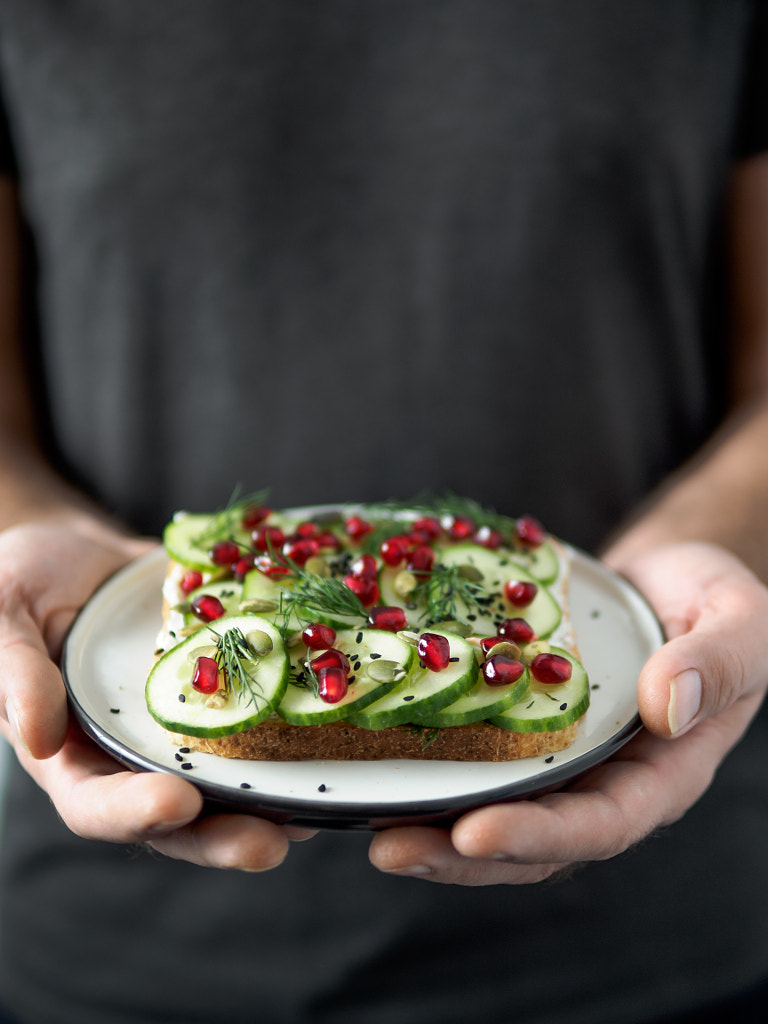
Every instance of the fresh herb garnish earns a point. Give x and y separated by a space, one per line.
444 589
308 593
237 661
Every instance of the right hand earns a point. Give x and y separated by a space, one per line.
47 573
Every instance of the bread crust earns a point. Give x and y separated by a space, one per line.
276 740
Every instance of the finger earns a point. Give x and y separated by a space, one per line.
229 841
32 696
700 673
428 853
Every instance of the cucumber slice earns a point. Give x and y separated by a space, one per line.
189 537
479 703
171 679
364 648
423 691
260 588
549 708
495 568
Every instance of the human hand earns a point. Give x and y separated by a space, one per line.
47 572
696 695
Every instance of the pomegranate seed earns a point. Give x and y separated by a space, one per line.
365 567
207 607
551 668
318 636
357 528
307 530
205 678
529 531
489 642
333 658
489 538
428 526
332 684
271 567
393 550
501 670
190 581
421 559
300 551
389 618
460 528
267 537
516 630
225 553
242 567
254 516
519 592
434 650
367 591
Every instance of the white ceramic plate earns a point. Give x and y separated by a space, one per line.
110 648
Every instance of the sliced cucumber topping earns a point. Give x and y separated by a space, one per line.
479 703
548 708
259 589
378 660
251 683
189 537
423 691
229 592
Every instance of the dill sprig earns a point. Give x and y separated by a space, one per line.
443 589
446 503
317 594
237 662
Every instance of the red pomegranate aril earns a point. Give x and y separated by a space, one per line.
266 537
460 528
501 670
208 608
357 528
242 567
551 668
190 581
386 617
301 550
205 678
365 567
272 568
488 537
516 630
530 532
428 526
520 593
332 684
489 642
366 591
317 636
434 651
421 559
254 516
307 530
225 553
393 550
330 659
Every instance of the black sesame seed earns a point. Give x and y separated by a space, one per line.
351 679
114 711
245 785
179 757
321 788
563 707
357 666
182 698
410 696
186 766
184 750
453 659
550 759
359 638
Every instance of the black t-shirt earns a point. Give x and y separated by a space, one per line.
351 250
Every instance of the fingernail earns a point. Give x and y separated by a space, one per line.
411 869
13 721
684 699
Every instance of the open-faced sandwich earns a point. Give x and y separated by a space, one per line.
368 633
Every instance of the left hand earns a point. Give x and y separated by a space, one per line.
697 696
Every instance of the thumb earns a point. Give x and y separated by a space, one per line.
699 675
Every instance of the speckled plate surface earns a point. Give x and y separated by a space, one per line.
109 651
